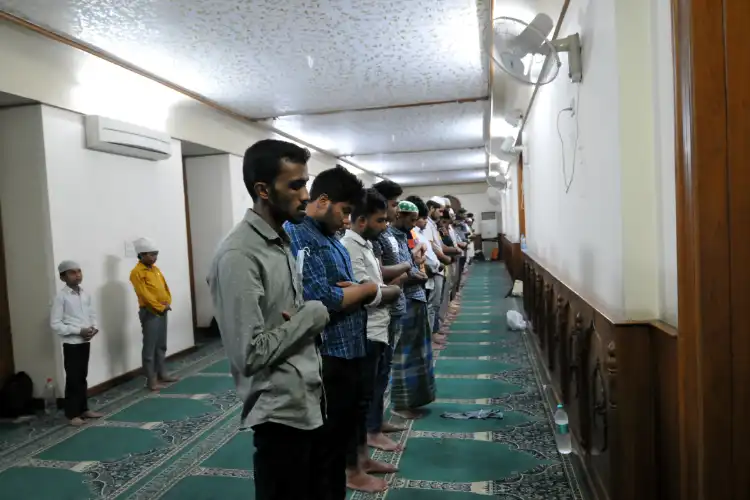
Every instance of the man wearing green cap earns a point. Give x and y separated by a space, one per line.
413 378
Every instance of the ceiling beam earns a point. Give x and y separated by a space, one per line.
409 151
465 100
437 173
473 148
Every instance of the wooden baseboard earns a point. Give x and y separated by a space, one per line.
618 380
125 377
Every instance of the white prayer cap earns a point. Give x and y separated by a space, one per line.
145 245
439 200
450 211
67 265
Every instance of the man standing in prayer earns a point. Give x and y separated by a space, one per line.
327 276
413 376
368 222
73 318
394 271
155 302
270 333
445 254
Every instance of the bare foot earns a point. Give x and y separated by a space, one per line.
361 481
156 386
77 422
438 347
389 427
409 414
377 467
382 442
92 414
439 338
168 379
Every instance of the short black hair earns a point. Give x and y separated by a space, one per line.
432 204
423 212
445 214
263 159
339 185
388 189
470 215
371 203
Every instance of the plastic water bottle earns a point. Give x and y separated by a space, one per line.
562 433
50 401
523 242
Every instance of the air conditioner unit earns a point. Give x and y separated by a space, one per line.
120 138
488 226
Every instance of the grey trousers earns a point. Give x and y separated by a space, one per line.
154 328
434 301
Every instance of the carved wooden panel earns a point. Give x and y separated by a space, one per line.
559 340
550 321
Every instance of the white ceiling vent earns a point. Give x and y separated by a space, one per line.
120 138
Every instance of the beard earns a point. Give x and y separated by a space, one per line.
277 204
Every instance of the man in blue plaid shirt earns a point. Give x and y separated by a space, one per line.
327 276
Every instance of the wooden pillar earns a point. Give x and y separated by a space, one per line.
712 80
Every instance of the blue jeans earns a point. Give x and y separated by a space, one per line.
382 376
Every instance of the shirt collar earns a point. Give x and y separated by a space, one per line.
70 291
354 236
263 228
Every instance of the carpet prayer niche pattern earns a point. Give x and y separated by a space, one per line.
184 443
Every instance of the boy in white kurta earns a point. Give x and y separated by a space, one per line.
73 318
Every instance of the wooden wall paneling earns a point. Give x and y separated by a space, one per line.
550 325
666 414
703 246
737 47
561 341
633 454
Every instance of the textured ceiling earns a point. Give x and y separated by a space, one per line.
268 57
444 126
429 161
312 67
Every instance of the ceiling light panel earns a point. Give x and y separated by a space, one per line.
267 58
442 126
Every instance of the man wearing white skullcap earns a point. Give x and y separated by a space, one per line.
154 301
73 318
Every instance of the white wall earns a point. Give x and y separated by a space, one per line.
31 275
664 137
611 236
217 200
578 234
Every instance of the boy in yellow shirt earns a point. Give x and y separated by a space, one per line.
154 301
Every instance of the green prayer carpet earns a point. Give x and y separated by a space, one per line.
184 442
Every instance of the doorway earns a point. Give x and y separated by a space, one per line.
7 367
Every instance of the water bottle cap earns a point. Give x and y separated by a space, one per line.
49 380
559 406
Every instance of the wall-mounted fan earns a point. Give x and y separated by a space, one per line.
523 51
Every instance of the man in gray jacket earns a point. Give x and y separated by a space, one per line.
269 332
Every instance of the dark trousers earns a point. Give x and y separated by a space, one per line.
383 356
76 360
461 266
287 463
369 367
342 379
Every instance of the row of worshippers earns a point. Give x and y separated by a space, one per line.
73 318
315 326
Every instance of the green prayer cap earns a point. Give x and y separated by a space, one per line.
407 206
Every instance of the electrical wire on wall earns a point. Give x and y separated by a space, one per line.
573 114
